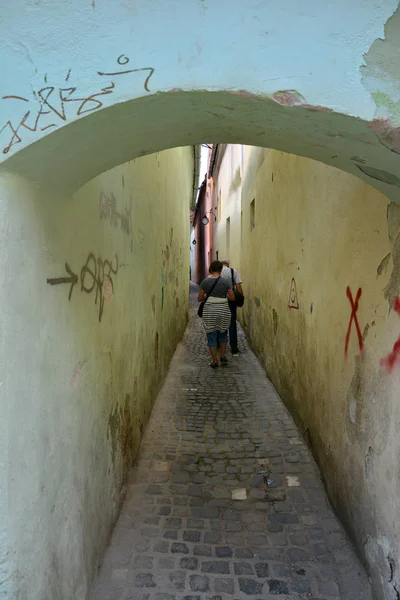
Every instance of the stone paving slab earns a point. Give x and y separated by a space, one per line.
225 501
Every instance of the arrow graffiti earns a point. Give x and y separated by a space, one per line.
96 276
72 279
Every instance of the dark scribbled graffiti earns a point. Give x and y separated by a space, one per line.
94 273
108 210
53 106
72 279
124 60
95 277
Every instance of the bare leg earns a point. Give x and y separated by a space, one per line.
223 349
213 352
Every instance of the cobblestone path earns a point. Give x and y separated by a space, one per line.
225 500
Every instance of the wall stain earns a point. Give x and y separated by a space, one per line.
383 265
393 219
392 290
236 181
369 457
293 301
114 421
156 351
126 432
356 391
257 301
75 374
120 430
275 320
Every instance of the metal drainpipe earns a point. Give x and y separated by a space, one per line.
212 160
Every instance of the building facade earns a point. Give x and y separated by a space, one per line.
318 251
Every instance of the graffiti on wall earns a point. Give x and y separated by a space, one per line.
353 317
393 357
72 279
108 210
52 106
95 277
293 299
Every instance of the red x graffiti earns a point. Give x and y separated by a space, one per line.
354 309
391 359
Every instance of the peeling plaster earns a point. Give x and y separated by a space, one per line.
387 134
392 290
380 175
381 72
393 220
383 265
289 98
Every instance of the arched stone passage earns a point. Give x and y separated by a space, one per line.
138 76
74 154
87 86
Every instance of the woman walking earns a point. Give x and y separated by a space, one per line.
215 291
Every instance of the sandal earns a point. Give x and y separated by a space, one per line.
213 365
224 361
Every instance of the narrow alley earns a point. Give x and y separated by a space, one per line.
225 500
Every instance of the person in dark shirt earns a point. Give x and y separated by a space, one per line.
216 313
236 281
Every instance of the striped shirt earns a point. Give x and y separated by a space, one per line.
216 315
216 312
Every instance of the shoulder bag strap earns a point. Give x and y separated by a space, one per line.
233 283
211 291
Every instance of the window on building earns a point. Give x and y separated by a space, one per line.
252 214
228 236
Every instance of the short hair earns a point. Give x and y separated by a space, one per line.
216 266
225 262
